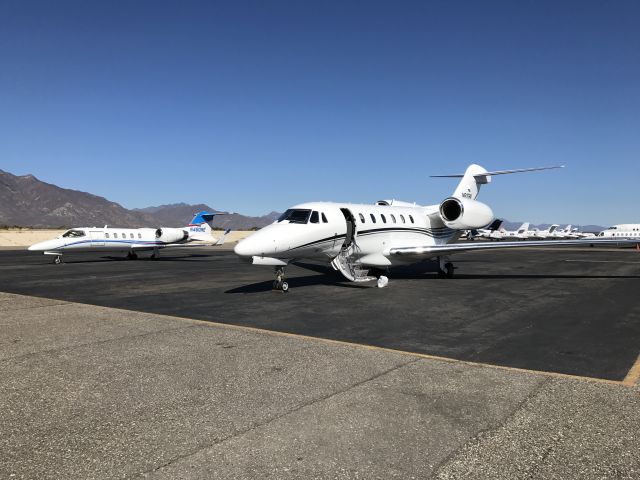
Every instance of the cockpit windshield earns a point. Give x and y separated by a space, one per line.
73 233
294 215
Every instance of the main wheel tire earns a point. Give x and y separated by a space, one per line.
449 270
285 287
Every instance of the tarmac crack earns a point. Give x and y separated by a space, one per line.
478 437
100 342
275 418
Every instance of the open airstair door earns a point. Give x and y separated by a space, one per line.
350 237
345 262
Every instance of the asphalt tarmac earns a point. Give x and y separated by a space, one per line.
569 311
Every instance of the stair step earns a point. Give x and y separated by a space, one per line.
351 270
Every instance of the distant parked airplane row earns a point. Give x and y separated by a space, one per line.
496 232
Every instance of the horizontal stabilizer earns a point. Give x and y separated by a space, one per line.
499 172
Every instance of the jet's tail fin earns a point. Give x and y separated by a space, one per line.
524 228
475 176
200 226
495 225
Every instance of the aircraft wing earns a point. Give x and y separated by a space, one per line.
190 244
435 250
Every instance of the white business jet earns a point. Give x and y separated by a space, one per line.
357 238
624 230
130 240
493 231
521 233
546 234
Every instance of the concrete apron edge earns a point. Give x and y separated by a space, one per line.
629 381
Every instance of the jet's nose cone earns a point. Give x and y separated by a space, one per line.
44 246
36 247
245 248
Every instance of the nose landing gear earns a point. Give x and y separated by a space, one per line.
58 259
279 285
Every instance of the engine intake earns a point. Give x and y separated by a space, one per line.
465 214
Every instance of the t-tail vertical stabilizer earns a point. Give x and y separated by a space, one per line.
201 225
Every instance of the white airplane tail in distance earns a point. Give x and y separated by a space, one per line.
358 239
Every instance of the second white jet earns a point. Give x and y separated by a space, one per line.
130 241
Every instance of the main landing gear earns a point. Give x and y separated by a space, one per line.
279 285
445 268
156 254
132 255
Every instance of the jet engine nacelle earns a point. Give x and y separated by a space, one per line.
465 214
171 235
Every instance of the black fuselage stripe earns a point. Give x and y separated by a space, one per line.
374 232
327 239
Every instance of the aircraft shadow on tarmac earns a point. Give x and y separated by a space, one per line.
421 271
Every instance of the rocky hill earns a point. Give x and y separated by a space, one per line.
179 213
28 202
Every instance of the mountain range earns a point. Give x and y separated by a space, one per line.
26 201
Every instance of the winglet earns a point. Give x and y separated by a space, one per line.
223 238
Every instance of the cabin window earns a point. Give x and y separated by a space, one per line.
315 218
411 218
384 219
73 233
106 235
131 235
402 218
324 219
373 219
393 218
139 235
295 215
361 218
124 235
115 235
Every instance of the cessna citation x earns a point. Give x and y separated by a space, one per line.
131 241
358 238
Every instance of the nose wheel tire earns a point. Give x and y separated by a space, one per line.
57 260
279 285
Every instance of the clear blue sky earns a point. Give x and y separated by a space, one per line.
254 106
